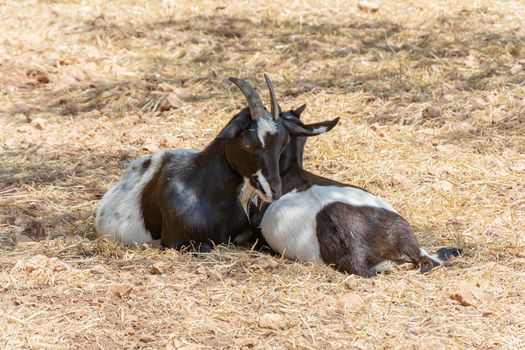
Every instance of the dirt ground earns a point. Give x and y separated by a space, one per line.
432 103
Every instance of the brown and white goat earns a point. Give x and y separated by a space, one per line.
323 221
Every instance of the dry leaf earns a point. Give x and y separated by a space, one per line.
447 147
472 61
351 302
163 87
518 166
119 290
150 147
171 101
398 179
38 123
272 321
157 268
11 142
99 21
368 6
443 185
264 262
466 293
431 112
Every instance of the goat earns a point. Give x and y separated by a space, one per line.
323 221
186 197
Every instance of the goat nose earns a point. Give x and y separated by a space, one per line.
276 188
276 194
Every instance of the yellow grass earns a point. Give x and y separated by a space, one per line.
458 177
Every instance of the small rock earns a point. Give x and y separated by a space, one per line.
147 338
515 69
368 6
272 321
157 268
38 75
466 294
119 290
24 239
351 302
171 101
462 85
431 112
22 108
40 262
38 123
478 103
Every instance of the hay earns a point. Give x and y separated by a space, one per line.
433 120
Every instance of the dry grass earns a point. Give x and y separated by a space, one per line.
457 177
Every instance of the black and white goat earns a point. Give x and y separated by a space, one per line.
189 197
323 221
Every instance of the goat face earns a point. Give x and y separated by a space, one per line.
255 155
255 139
293 154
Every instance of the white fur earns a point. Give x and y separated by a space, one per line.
246 195
265 185
265 125
289 224
122 219
384 266
320 129
433 257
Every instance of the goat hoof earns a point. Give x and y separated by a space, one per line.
204 248
448 253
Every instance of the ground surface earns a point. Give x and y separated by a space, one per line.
432 102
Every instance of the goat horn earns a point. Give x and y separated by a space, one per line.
273 100
254 100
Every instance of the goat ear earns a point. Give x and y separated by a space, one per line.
299 110
237 125
310 129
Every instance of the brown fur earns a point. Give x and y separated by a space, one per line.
354 239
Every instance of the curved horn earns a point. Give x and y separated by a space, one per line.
273 100
254 100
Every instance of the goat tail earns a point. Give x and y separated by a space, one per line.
429 261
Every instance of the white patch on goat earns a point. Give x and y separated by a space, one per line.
384 266
289 225
122 217
265 125
432 257
246 195
320 129
265 186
